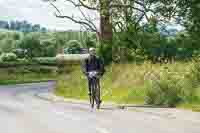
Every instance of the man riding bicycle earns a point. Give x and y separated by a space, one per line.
93 64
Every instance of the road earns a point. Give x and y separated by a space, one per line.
22 111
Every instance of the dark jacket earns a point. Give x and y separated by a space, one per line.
93 64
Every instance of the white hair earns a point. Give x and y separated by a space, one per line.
91 49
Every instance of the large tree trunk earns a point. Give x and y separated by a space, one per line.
106 33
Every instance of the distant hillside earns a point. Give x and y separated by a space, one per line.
6 30
22 26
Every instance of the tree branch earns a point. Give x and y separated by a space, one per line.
81 22
89 21
81 4
77 21
125 6
140 18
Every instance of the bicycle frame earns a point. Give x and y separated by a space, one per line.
95 92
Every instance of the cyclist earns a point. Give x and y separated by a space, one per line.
93 63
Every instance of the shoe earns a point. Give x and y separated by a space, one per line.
98 105
100 101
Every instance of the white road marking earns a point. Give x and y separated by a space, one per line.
102 130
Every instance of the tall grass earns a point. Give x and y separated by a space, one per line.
173 88
129 83
167 91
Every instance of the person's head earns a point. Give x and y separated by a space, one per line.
92 51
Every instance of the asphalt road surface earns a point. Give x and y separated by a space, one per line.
22 111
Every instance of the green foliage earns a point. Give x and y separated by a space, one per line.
105 51
7 45
166 91
40 69
45 44
8 57
49 48
16 75
18 62
132 43
91 41
193 18
125 83
45 61
193 82
73 47
195 71
31 44
171 89
151 27
21 53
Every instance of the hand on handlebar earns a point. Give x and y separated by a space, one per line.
93 74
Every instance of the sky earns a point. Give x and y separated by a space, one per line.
38 12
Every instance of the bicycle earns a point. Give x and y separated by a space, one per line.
95 89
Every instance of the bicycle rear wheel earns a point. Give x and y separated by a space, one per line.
97 93
92 96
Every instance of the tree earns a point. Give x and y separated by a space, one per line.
107 11
193 20
7 45
112 16
48 48
4 25
73 47
184 12
90 41
13 25
31 44
43 29
23 26
36 28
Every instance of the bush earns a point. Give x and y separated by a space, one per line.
167 91
192 82
73 47
90 41
48 48
31 44
18 62
8 57
20 53
7 45
195 70
40 69
174 88
45 61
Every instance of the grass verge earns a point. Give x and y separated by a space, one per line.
123 83
17 76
